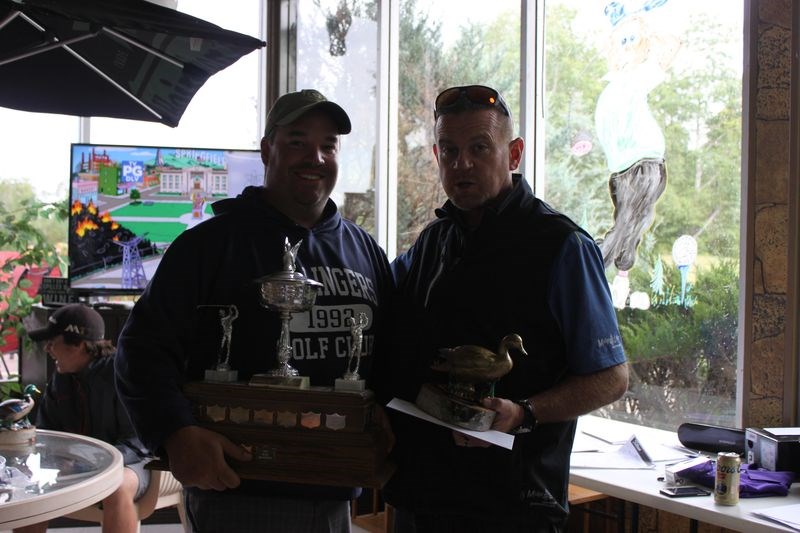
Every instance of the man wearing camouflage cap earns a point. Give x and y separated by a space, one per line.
169 340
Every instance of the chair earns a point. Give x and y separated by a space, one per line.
578 497
375 521
383 521
164 491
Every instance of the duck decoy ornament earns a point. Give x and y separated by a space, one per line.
472 374
475 364
14 411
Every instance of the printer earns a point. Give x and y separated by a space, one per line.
775 449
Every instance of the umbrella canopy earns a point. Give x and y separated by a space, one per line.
111 58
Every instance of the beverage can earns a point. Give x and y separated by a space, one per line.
726 482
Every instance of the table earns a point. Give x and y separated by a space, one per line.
641 486
58 474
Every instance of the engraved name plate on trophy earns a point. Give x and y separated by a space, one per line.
287 292
223 371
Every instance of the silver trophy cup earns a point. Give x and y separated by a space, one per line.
286 292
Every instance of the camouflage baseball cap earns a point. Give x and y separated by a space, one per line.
291 106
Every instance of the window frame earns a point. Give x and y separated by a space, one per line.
281 79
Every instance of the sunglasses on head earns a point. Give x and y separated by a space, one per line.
458 98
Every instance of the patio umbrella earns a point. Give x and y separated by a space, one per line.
111 58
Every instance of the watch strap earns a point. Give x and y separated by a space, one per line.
529 420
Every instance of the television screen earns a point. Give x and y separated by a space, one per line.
128 203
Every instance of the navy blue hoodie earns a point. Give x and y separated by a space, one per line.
173 333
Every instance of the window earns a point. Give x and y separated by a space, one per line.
225 111
440 47
677 297
681 65
337 54
624 88
40 143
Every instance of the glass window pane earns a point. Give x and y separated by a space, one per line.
627 86
223 113
36 150
337 54
444 44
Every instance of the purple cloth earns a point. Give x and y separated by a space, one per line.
753 482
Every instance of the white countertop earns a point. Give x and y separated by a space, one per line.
642 485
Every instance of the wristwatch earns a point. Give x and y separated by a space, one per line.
529 420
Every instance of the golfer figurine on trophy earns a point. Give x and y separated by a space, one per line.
223 370
351 380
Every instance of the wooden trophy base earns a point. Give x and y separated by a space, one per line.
316 436
225 376
280 382
349 385
438 403
18 437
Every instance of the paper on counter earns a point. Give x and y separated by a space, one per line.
491 436
781 432
787 515
610 435
628 455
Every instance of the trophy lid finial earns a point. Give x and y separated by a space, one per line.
288 289
290 255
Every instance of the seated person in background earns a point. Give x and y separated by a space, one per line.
80 398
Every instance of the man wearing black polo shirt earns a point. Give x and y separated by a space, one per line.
497 261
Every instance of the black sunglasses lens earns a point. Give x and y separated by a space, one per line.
448 97
481 95
475 94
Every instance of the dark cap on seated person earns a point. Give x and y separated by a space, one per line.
291 106
77 320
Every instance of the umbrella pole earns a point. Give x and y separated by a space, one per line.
11 16
41 48
112 82
65 45
46 48
144 47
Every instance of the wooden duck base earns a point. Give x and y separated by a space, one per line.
438 403
17 437
315 436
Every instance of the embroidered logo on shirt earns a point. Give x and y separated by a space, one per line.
612 341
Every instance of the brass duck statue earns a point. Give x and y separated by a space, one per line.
15 410
475 364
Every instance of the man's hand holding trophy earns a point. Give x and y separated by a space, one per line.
296 431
